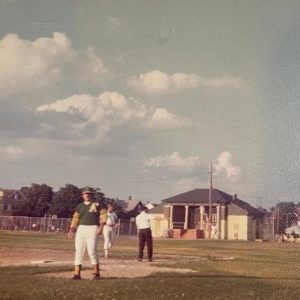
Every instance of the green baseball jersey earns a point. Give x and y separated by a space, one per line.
89 214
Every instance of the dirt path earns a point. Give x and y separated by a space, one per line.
110 268
24 256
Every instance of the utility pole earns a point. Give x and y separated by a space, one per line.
210 204
273 225
278 217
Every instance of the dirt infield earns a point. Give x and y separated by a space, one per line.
24 256
110 267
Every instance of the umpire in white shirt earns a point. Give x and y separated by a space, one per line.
144 234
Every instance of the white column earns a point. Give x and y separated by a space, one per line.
201 216
186 216
171 217
223 222
218 221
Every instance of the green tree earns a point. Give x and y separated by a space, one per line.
37 201
285 215
65 201
100 197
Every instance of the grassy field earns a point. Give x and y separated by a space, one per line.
259 271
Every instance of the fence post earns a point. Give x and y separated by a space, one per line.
48 223
119 225
43 223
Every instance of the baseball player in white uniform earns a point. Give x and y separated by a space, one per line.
110 229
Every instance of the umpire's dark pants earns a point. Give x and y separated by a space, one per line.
145 236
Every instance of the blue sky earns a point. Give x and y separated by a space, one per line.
139 97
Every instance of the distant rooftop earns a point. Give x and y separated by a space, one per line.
158 209
128 205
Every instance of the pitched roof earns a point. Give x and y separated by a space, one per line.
158 209
199 196
13 197
246 206
128 205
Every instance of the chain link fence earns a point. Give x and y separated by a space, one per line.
46 224
62 225
55 225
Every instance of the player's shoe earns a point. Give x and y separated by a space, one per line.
96 276
76 277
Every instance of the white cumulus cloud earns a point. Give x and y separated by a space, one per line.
28 66
12 152
224 164
162 118
106 111
25 64
91 67
175 162
110 110
157 82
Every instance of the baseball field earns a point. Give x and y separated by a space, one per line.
39 266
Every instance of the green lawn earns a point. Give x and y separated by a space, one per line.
259 271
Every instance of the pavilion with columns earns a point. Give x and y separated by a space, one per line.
232 218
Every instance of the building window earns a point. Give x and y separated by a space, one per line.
213 218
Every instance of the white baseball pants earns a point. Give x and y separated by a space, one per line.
109 235
86 238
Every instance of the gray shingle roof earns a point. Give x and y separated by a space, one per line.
198 196
128 205
246 206
158 209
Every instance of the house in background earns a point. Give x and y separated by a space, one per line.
9 199
129 209
1 201
298 212
159 224
232 218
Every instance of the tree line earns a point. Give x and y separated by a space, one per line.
285 214
39 200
